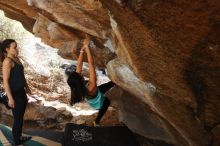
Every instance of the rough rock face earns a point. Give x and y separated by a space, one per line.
167 58
62 24
38 116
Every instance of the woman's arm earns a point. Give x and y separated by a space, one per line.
92 74
6 69
80 61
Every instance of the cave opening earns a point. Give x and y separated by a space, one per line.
45 74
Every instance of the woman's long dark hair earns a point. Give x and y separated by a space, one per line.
77 86
3 45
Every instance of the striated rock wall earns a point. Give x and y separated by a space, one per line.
164 55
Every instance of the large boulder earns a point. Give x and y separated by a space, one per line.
164 56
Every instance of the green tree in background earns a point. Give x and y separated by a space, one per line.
11 29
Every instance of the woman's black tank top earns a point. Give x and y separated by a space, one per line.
17 80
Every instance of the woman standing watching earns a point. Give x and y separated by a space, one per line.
15 86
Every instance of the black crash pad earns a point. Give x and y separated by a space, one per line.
81 135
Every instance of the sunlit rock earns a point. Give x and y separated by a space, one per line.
164 55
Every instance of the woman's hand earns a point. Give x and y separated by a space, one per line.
11 103
86 43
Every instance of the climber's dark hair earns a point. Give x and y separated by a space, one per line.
70 69
77 86
3 45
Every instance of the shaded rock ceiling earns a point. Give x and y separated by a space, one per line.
164 55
